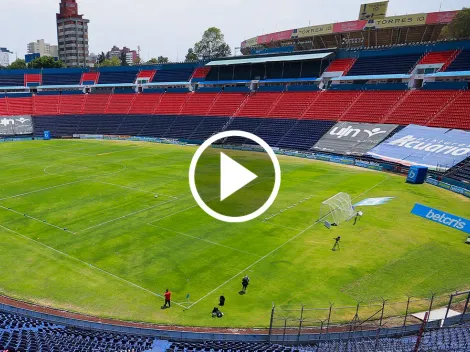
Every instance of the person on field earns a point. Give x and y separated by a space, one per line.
336 246
245 282
167 298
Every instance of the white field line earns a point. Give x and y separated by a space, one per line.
22 180
136 189
275 250
127 215
196 205
36 219
88 264
203 240
43 189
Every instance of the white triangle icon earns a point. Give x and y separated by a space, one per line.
233 176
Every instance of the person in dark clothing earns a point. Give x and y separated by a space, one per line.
336 246
221 301
245 282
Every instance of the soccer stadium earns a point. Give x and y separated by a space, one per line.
105 245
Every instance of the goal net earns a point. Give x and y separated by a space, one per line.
337 209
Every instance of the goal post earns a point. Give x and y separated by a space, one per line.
337 209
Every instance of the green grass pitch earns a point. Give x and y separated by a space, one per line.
81 229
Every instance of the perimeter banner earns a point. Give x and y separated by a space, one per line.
352 138
398 21
373 10
16 125
312 31
436 148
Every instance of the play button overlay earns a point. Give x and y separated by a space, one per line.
233 176
234 185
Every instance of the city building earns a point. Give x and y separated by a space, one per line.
5 57
132 56
43 49
72 35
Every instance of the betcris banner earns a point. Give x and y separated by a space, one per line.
442 217
436 148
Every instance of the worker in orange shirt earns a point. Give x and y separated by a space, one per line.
167 299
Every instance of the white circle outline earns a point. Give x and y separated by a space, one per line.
203 205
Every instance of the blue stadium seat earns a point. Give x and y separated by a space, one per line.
461 62
181 75
112 77
381 65
53 79
304 134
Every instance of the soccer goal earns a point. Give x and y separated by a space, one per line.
337 209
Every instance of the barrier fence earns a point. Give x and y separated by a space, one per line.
291 324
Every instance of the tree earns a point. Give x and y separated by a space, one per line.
459 28
46 62
124 59
212 45
152 61
17 64
101 58
191 55
114 61
162 60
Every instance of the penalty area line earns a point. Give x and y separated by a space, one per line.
203 240
278 248
88 265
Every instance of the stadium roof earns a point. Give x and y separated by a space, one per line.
259 60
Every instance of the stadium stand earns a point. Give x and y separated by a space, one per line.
113 77
227 104
200 73
72 103
11 80
382 65
341 65
293 104
171 103
22 334
56 77
173 75
455 115
419 107
96 103
89 78
372 106
199 103
146 74
32 79
461 62
439 57
331 105
145 103
259 104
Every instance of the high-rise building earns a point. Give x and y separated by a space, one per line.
132 57
43 49
5 57
72 35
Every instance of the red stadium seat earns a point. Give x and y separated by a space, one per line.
420 106
145 103
199 104
341 65
331 105
20 106
96 103
372 106
46 104
227 104
120 103
293 104
456 114
72 104
259 104
171 103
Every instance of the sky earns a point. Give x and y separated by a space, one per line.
169 28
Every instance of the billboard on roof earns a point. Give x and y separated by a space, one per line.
375 10
441 17
351 26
